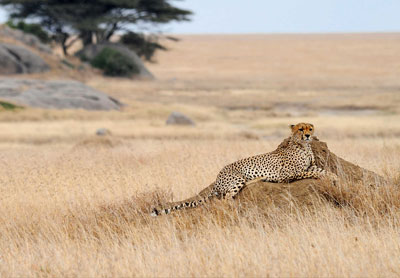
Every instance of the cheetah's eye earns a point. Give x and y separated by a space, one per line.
300 129
310 129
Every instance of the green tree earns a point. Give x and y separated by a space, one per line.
96 21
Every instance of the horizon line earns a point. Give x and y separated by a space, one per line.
287 33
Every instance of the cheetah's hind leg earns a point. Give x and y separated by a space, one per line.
234 190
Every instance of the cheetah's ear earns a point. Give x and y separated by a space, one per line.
291 127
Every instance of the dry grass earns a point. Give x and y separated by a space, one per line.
76 205
83 212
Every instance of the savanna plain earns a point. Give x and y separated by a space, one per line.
76 204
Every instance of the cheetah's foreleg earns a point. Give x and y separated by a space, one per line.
317 173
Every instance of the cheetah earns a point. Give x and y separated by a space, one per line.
292 160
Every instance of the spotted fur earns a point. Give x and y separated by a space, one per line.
292 160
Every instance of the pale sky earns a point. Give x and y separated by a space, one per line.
286 16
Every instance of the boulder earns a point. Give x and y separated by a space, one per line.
27 39
91 51
103 131
63 94
177 118
16 59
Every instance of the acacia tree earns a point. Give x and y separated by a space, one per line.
96 21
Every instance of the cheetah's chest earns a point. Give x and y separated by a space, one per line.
301 159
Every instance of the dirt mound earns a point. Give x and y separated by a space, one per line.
310 192
354 181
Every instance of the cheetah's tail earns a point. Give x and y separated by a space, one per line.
204 196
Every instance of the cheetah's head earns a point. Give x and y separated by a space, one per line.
302 132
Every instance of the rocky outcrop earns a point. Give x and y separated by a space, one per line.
177 118
63 94
103 132
90 51
27 39
16 59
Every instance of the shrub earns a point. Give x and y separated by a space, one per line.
8 106
114 63
34 29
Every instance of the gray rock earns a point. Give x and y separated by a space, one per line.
55 95
17 59
103 132
27 39
177 118
90 51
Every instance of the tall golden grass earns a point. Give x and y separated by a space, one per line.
83 211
